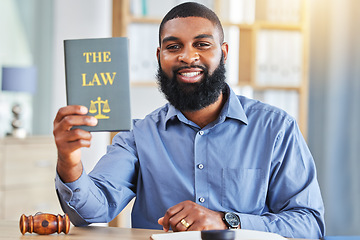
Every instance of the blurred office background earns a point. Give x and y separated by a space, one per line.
32 33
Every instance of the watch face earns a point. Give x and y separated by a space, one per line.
232 219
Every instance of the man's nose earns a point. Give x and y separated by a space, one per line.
189 55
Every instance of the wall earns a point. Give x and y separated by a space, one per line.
72 20
334 131
36 16
15 51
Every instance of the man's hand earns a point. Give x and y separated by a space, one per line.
198 217
70 141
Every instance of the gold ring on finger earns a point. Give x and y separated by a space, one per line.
185 223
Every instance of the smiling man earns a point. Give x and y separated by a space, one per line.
191 59
206 160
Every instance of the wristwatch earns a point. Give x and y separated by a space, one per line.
231 220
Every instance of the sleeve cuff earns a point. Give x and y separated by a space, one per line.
74 191
252 222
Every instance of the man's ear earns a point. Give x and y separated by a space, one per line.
225 50
158 54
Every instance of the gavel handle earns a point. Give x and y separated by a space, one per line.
44 224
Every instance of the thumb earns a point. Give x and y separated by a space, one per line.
160 220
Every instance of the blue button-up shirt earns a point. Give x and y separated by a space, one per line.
252 161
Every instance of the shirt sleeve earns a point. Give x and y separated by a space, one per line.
295 207
66 191
101 195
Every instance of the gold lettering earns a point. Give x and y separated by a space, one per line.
84 81
108 78
87 54
106 56
96 79
97 56
105 77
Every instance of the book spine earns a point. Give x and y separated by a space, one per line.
67 66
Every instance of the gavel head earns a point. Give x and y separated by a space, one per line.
44 223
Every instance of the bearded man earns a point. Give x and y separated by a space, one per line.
208 159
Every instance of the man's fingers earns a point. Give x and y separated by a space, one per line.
189 216
74 145
70 116
70 110
73 135
76 134
175 214
73 120
197 226
73 140
184 224
170 213
160 221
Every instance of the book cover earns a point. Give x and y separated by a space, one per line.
97 76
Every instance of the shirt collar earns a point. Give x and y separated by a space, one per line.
232 109
172 112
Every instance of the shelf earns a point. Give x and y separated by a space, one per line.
148 20
244 69
278 26
255 25
278 87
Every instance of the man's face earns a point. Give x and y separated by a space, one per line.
190 53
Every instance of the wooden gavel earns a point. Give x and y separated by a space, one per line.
44 223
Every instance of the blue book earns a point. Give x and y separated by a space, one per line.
97 76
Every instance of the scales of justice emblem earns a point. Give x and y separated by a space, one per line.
105 108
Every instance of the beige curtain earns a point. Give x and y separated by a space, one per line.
334 110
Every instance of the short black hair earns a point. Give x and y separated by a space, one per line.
192 9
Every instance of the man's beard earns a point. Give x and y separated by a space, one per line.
193 96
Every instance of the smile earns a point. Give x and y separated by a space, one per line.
190 74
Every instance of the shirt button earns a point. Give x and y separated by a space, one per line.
200 166
201 199
201 133
77 190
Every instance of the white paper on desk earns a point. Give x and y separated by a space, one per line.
241 234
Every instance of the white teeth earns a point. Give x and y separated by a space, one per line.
190 74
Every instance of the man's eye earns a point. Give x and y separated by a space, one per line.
173 47
203 45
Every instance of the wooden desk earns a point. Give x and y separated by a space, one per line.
10 230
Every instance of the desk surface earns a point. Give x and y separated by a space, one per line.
10 230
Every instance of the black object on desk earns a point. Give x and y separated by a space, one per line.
217 235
